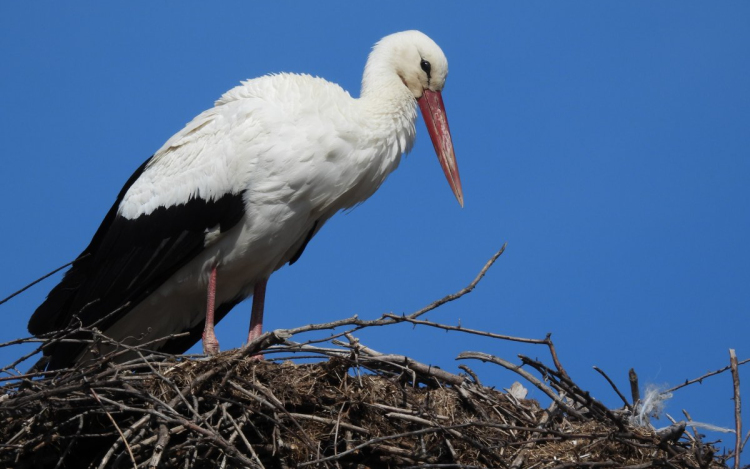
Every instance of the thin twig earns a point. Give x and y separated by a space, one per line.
702 377
737 407
463 291
528 376
117 427
625 401
83 256
463 329
72 442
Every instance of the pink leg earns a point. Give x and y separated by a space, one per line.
256 317
210 342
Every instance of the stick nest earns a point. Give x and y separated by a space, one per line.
350 410
319 403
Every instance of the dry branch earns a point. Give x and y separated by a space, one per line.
737 406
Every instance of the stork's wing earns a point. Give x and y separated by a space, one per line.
128 259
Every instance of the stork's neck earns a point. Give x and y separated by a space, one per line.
381 84
390 108
384 118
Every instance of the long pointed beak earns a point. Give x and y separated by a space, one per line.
433 112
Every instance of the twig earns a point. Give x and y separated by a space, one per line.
468 331
238 431
370 442
140 422
421 421
737 407
420 368
453 466
520 458
635 392
117 427
385 319
463 291
555 359
315 418
625 401
575 393
471 373
528 376
701 378
43 277
161 444
72 442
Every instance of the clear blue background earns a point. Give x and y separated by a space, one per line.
607 143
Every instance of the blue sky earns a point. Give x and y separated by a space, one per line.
607 143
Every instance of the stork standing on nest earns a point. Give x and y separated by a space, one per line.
239 192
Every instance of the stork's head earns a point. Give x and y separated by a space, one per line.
422 68
416 59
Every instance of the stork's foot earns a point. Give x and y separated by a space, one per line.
210 345
256 317
254 334
257 357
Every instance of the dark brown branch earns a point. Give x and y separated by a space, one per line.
625 401
702 377
635 392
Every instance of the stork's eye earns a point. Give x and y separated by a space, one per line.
425 66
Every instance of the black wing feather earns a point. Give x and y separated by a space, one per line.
127 260
50 315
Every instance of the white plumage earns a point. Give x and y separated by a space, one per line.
242 188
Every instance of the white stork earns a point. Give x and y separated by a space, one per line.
239 192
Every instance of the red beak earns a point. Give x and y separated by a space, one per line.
433 112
